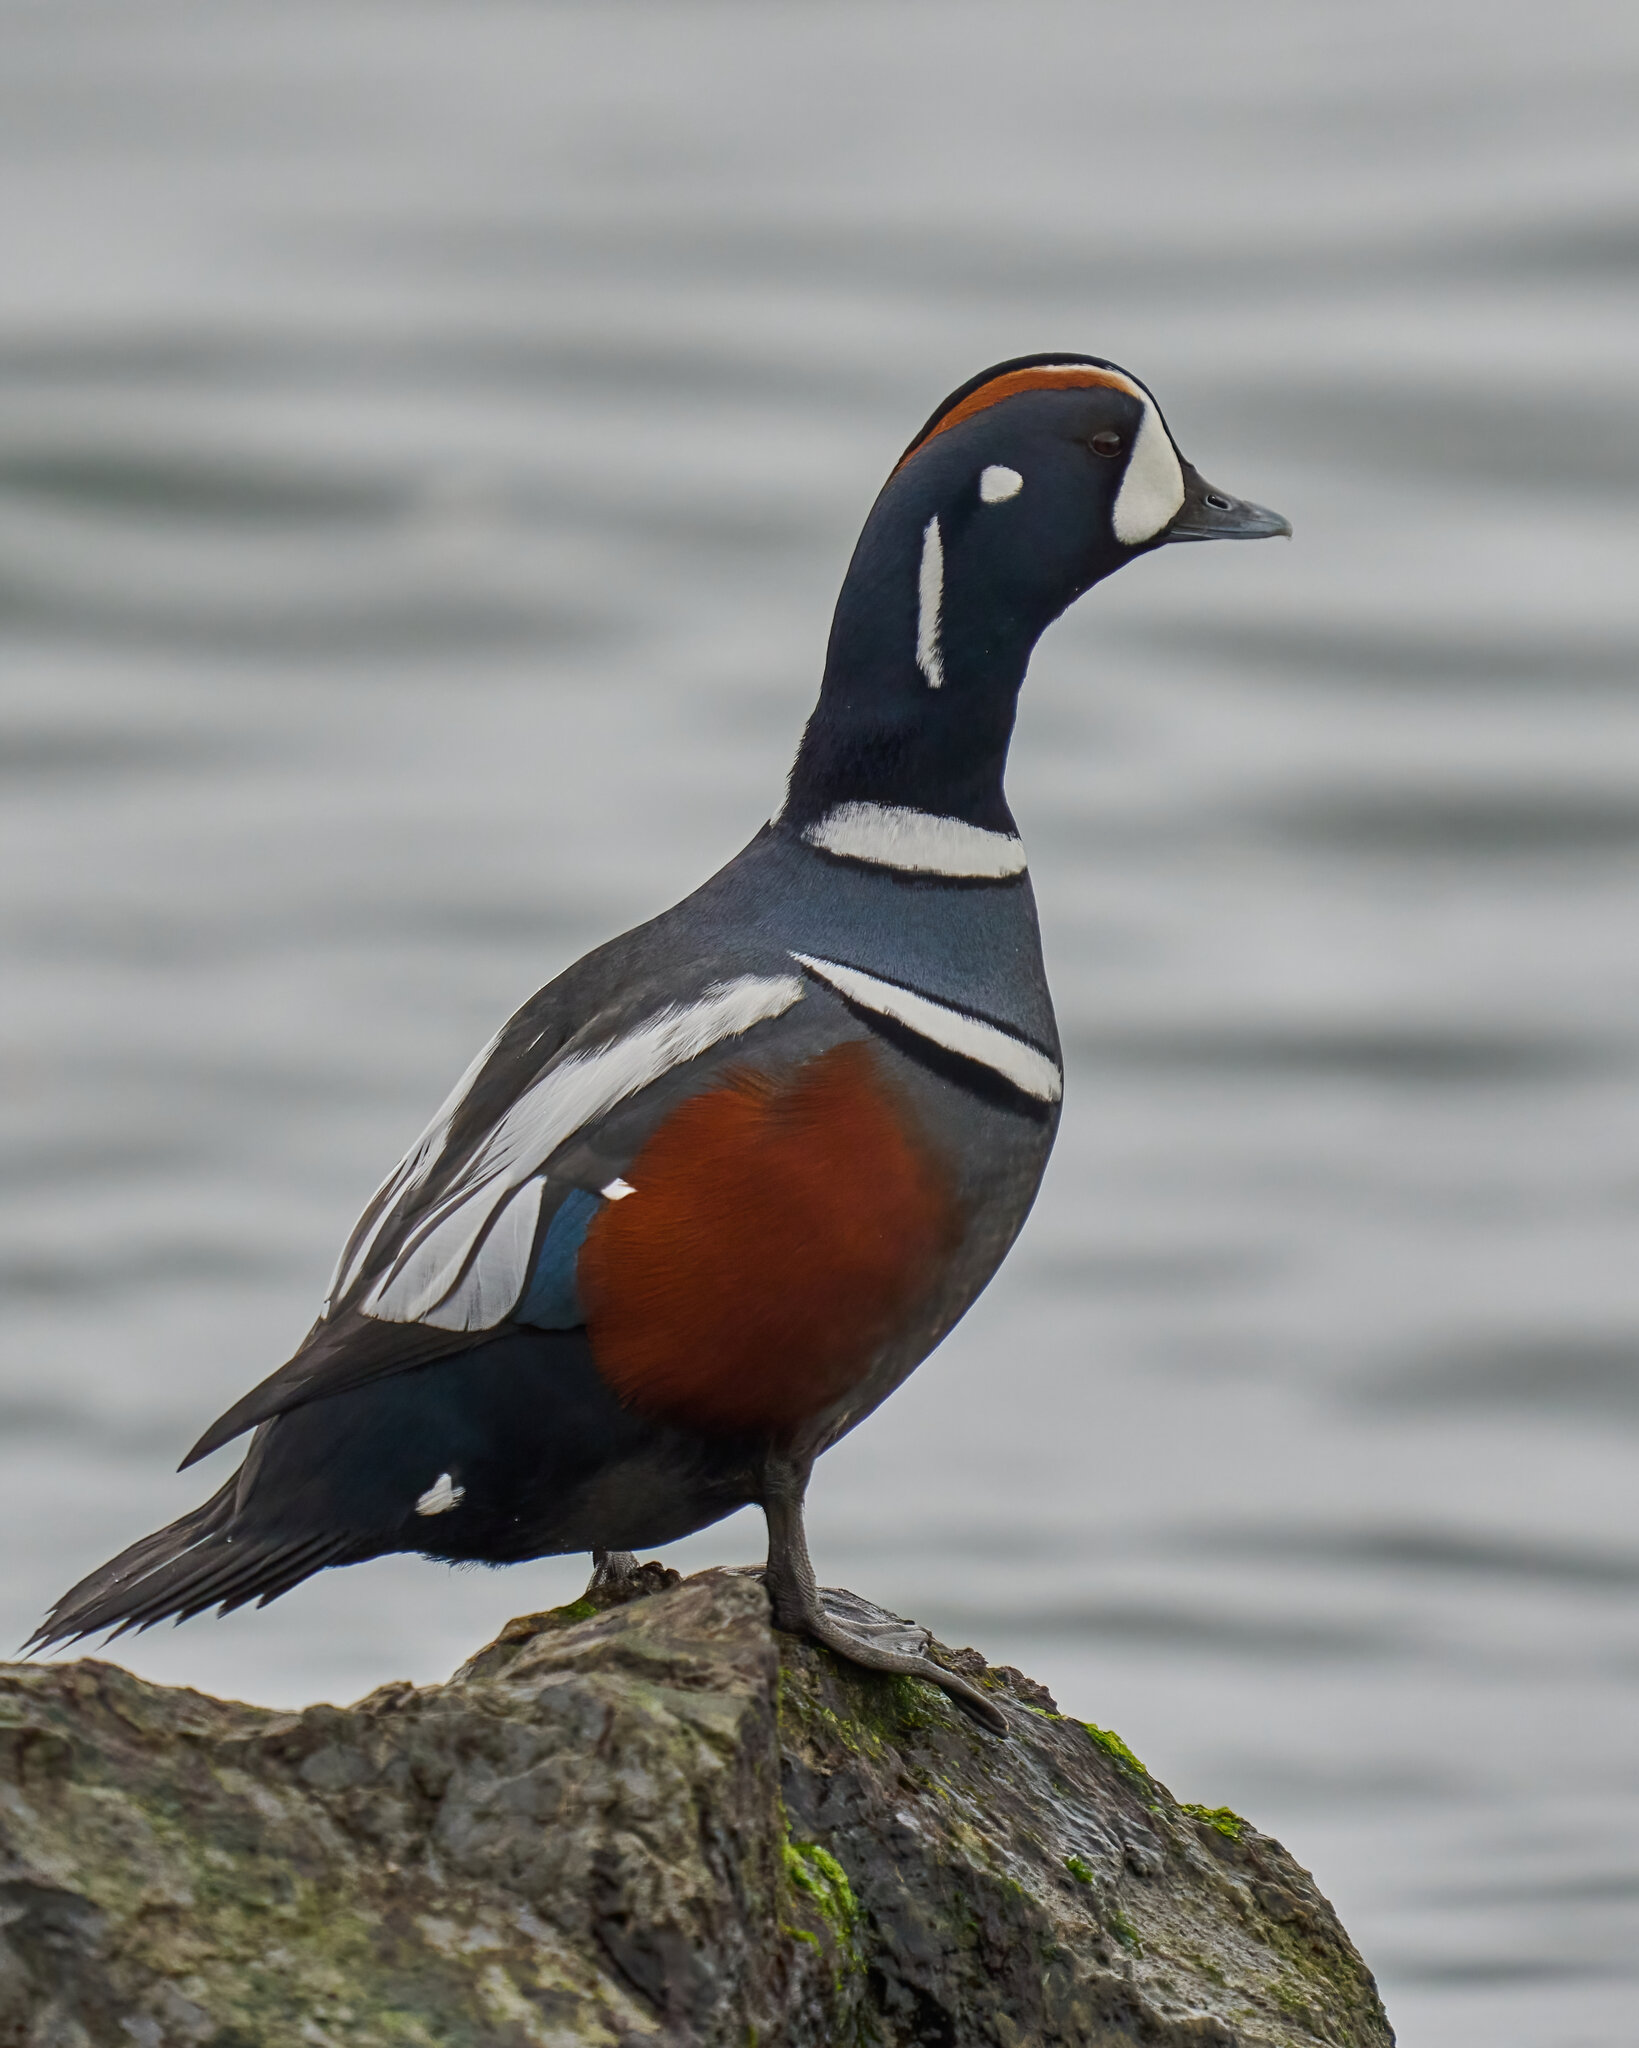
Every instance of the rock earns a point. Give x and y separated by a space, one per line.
652 1822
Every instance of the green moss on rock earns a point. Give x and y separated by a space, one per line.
1117 1751
1223 1819
1127 1934
817 1873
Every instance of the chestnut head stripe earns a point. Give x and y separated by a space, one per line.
1041 377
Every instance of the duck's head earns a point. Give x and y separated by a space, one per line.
1031 483
1081 449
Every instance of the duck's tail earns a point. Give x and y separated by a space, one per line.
198 1562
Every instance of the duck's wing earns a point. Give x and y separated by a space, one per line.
452 1239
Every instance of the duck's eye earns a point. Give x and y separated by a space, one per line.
1106 442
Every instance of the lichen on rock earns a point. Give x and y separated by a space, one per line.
652 1822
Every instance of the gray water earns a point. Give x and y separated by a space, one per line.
430 441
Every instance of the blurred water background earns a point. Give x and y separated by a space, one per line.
431 438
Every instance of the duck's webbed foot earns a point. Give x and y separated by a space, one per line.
854 1629
618 1572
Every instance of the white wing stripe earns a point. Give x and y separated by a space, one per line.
917 842
491 1285
402 1178
572 1094
357 1248
1030 1071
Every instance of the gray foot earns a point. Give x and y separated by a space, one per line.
873 1624
852 1627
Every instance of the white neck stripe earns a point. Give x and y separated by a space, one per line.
917 842
1030 1071
930 596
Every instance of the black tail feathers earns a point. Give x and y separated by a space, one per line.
520 1429
179 1571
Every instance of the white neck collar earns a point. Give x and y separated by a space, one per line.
917 842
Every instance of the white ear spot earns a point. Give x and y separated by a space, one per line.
997 484
930 595
441 1496
1153 489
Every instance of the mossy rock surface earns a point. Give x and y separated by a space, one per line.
656 1822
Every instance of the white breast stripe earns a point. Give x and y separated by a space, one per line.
491 1285
1030 1071
1153 489
579 1088
930 595
917 842
399 1182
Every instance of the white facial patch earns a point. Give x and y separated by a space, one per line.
441 1496
916 842
930 595
1153 489
998 483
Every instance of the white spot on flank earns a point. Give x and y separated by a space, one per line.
1153 488
917 842
930 595
441 1496
997 484
617 1190
1029 1070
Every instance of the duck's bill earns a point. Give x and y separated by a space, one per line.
1210 514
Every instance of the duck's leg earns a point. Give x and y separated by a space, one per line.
800 1606
618 1571
611 1569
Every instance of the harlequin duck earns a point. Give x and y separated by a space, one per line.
715 1191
